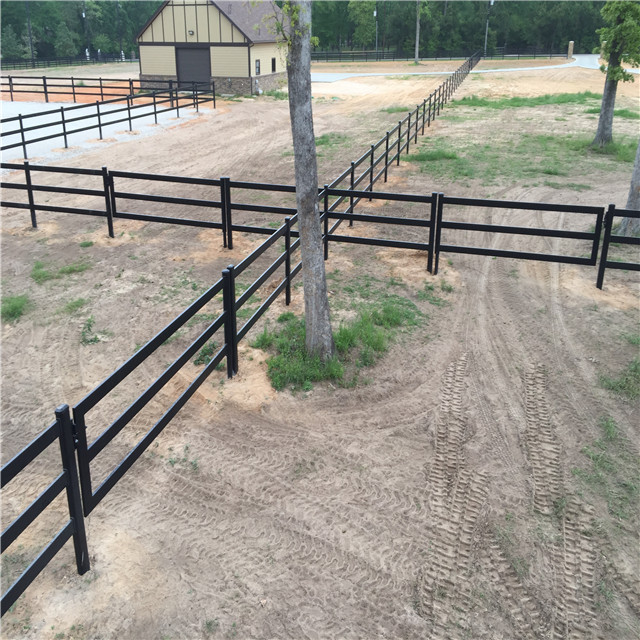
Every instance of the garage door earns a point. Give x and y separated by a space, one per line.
193 64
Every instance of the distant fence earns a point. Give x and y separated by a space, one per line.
502 53
67 121
37 63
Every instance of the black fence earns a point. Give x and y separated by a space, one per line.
38 63
611 239
49 87
504 53
64 122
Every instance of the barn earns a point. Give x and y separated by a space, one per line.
232 43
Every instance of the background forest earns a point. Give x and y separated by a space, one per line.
58 29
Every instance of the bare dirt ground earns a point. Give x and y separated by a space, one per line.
456 495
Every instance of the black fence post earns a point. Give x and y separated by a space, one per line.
352 186
155 109
193 95
99 121
608 223
415 140
408 132
432 231
371 167
22 138
230 325
73 89
11 87
326 221
386 157
424 111
399 142
32 206
429 116
287 259
171 92
177 103
213 93
596 237
130 86
67 452
44 88
226 205
108 200
129 99
101 90
438 233
64 127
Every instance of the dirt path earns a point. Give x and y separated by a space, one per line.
439 500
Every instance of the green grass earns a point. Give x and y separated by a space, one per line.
205 355
331 139
397 110
620 113
13 307
519 158
87 335
627 383
516 102
40 273
612 471
574 186
74 305
277 94
359 343
86 244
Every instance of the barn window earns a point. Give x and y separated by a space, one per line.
257 67
273 65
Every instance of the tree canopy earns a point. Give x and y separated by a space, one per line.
449 25
58 28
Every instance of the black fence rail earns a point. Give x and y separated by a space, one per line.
503 53
386 54
38 63
78 89
610 238
64 122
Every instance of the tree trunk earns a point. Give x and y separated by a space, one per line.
319 339
604 134
631 226
417 50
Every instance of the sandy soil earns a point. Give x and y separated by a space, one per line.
439 500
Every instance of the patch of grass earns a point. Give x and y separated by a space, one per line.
277 94
73 305
396 110
574 186
85 244
87 335
359 343
613 471
433 155
429 296
331 139
201 318
627 384
620 113
13 307
633 338
74 267
40 274
517 101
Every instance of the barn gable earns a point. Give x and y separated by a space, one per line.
229 42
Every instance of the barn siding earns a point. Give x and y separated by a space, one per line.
264 53
229 61
158 61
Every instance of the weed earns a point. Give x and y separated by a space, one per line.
429 296
87 336
14 306
40 274
627 384
73 305
633 338
446 287
277 94
205 355
211 625
85 244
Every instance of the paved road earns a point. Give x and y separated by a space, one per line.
586 61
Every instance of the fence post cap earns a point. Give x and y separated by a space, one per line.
62 409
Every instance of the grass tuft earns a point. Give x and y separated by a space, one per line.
627 384
13 307
73 305
517 101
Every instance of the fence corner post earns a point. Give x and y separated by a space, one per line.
230 324
326 221
608 223
287 259
67 452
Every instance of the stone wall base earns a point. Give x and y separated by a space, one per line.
236 86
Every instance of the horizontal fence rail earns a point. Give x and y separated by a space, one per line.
337 200
67 121
79 89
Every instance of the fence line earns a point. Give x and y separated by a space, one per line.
74 87
151 104
35 63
